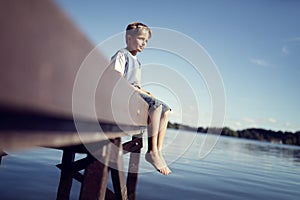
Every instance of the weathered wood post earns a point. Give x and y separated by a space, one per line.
96 174
133 169
66 178
117 170
2 153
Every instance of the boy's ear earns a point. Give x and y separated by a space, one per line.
128 37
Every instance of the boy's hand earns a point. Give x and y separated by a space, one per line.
150 94
145 92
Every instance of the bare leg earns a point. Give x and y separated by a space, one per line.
161 135
152 156
153 129
162 129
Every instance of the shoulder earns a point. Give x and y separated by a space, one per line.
120 55
121 52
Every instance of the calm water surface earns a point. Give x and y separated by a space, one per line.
234 169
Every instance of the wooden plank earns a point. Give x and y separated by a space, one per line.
77 165
2 153
94 182
109 195
132 175
134 162
16 141
66 178
38 129
41 91
117 170
96 175
41 53
133 145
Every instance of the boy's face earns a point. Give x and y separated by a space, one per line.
138 42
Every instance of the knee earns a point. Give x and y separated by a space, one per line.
158 109
155 112
166 114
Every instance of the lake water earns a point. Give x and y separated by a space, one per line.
234 169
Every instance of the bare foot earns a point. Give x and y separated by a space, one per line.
154 159
164 162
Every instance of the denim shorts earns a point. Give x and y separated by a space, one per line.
155 103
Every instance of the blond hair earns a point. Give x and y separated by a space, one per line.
135 28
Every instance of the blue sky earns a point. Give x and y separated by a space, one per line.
254 44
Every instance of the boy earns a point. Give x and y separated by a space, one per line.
126 62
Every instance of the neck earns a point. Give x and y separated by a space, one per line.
133 52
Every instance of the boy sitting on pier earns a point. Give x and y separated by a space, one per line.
125 61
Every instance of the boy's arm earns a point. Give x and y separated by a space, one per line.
142 91
119 61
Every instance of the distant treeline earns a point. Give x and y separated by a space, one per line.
292 138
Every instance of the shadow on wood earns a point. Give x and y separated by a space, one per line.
41 54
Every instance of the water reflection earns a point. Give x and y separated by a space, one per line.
258 149
235 169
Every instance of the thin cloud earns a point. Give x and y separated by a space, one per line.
288 124
285 50
260 62
248 120
295 39
272 120
238 124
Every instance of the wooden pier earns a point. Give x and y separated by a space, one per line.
41 52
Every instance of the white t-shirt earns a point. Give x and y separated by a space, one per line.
128 65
